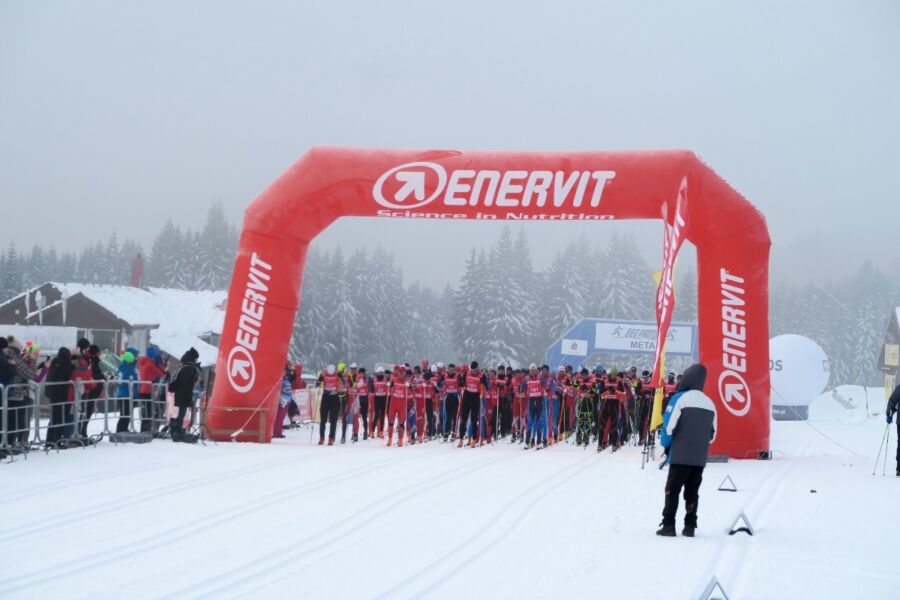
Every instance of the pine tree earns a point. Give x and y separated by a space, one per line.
67 269
215 253
627 290
507 308
686 298
35 272
12 282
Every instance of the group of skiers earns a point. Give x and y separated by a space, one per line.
467 405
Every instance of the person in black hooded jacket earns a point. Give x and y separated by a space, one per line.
61 369
182 386
689 427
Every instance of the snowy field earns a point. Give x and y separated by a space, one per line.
292 520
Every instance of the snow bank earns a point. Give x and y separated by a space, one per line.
848 402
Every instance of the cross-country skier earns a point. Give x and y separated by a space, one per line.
380 395
450 391
419 391
331 383
892 408
475 384
533 386
400 396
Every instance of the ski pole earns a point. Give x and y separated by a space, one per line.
887 445
878 456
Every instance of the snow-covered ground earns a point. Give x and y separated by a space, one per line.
292 520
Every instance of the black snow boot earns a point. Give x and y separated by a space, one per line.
688 531
666 531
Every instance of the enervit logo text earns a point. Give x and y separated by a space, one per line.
240 367
416 184
733 388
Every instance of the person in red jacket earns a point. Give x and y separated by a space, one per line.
400 396
474 385
149 372
380 390
492 407
331 383
450 389
519 407
419 393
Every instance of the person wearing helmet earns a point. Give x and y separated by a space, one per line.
470 409
559 398
669 387
346 403
397 409
360 389
545 428
126 393
430 392
450 391
418 387
380 389
519 407
331 383
533 387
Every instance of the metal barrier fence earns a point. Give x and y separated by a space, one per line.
54 415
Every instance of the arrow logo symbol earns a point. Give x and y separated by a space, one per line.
414 183
412 193
241 369
735 393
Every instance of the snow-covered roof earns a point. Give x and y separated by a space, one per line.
180 316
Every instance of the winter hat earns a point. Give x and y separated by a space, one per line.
82 344
474 365
532 366
192 353
694 378
560 369
14 344
127 357
379 370
434 369
341 367
32 347
152 353
330 369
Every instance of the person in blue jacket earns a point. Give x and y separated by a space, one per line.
689 427
126 391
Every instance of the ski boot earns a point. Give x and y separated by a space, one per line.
666 531
331 441
321 441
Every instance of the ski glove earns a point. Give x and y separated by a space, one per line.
889 418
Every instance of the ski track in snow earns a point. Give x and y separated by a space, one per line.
365 521
248 576
138 499
166 537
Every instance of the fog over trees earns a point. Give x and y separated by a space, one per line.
356 306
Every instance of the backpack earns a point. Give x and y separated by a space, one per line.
7 369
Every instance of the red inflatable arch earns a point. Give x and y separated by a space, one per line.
729 233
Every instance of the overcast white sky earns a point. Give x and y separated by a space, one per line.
117 115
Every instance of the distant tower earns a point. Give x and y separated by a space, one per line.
137 271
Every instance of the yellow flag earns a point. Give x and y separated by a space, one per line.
656 418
